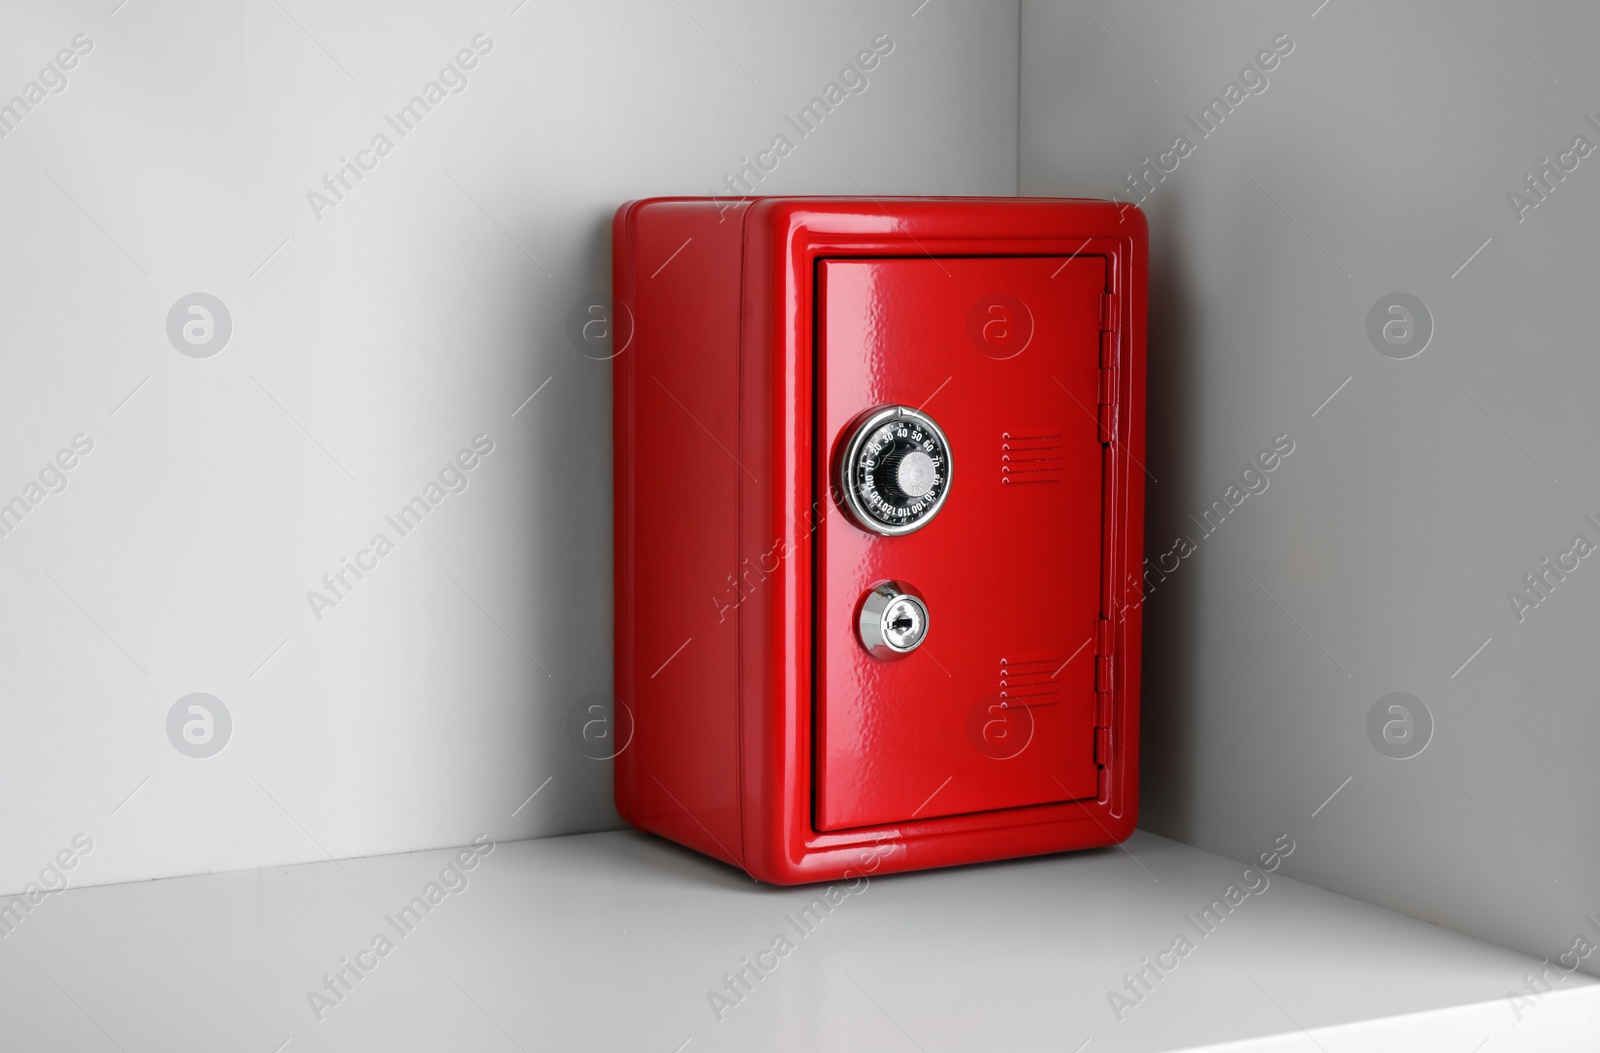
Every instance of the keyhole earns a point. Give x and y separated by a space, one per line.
904 623
892 622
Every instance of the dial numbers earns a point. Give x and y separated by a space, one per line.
895 471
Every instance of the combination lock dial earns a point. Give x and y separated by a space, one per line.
894 470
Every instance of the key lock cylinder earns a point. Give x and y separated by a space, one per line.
894 476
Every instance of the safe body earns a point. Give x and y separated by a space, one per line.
940 398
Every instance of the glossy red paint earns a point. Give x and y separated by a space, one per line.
755 333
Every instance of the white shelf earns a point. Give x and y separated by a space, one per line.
614 940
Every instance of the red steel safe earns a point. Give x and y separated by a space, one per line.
879 505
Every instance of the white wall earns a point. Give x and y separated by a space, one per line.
370 343
1380 557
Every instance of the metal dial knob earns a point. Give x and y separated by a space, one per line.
894 470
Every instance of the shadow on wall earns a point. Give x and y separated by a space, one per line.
1168 714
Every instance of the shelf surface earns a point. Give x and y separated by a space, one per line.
621 941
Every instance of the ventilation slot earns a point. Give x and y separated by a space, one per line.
1030 681
1031 458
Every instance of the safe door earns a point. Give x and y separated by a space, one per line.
959 572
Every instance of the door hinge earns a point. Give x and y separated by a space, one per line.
1102 691
1108 402
1110 349
1110 353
